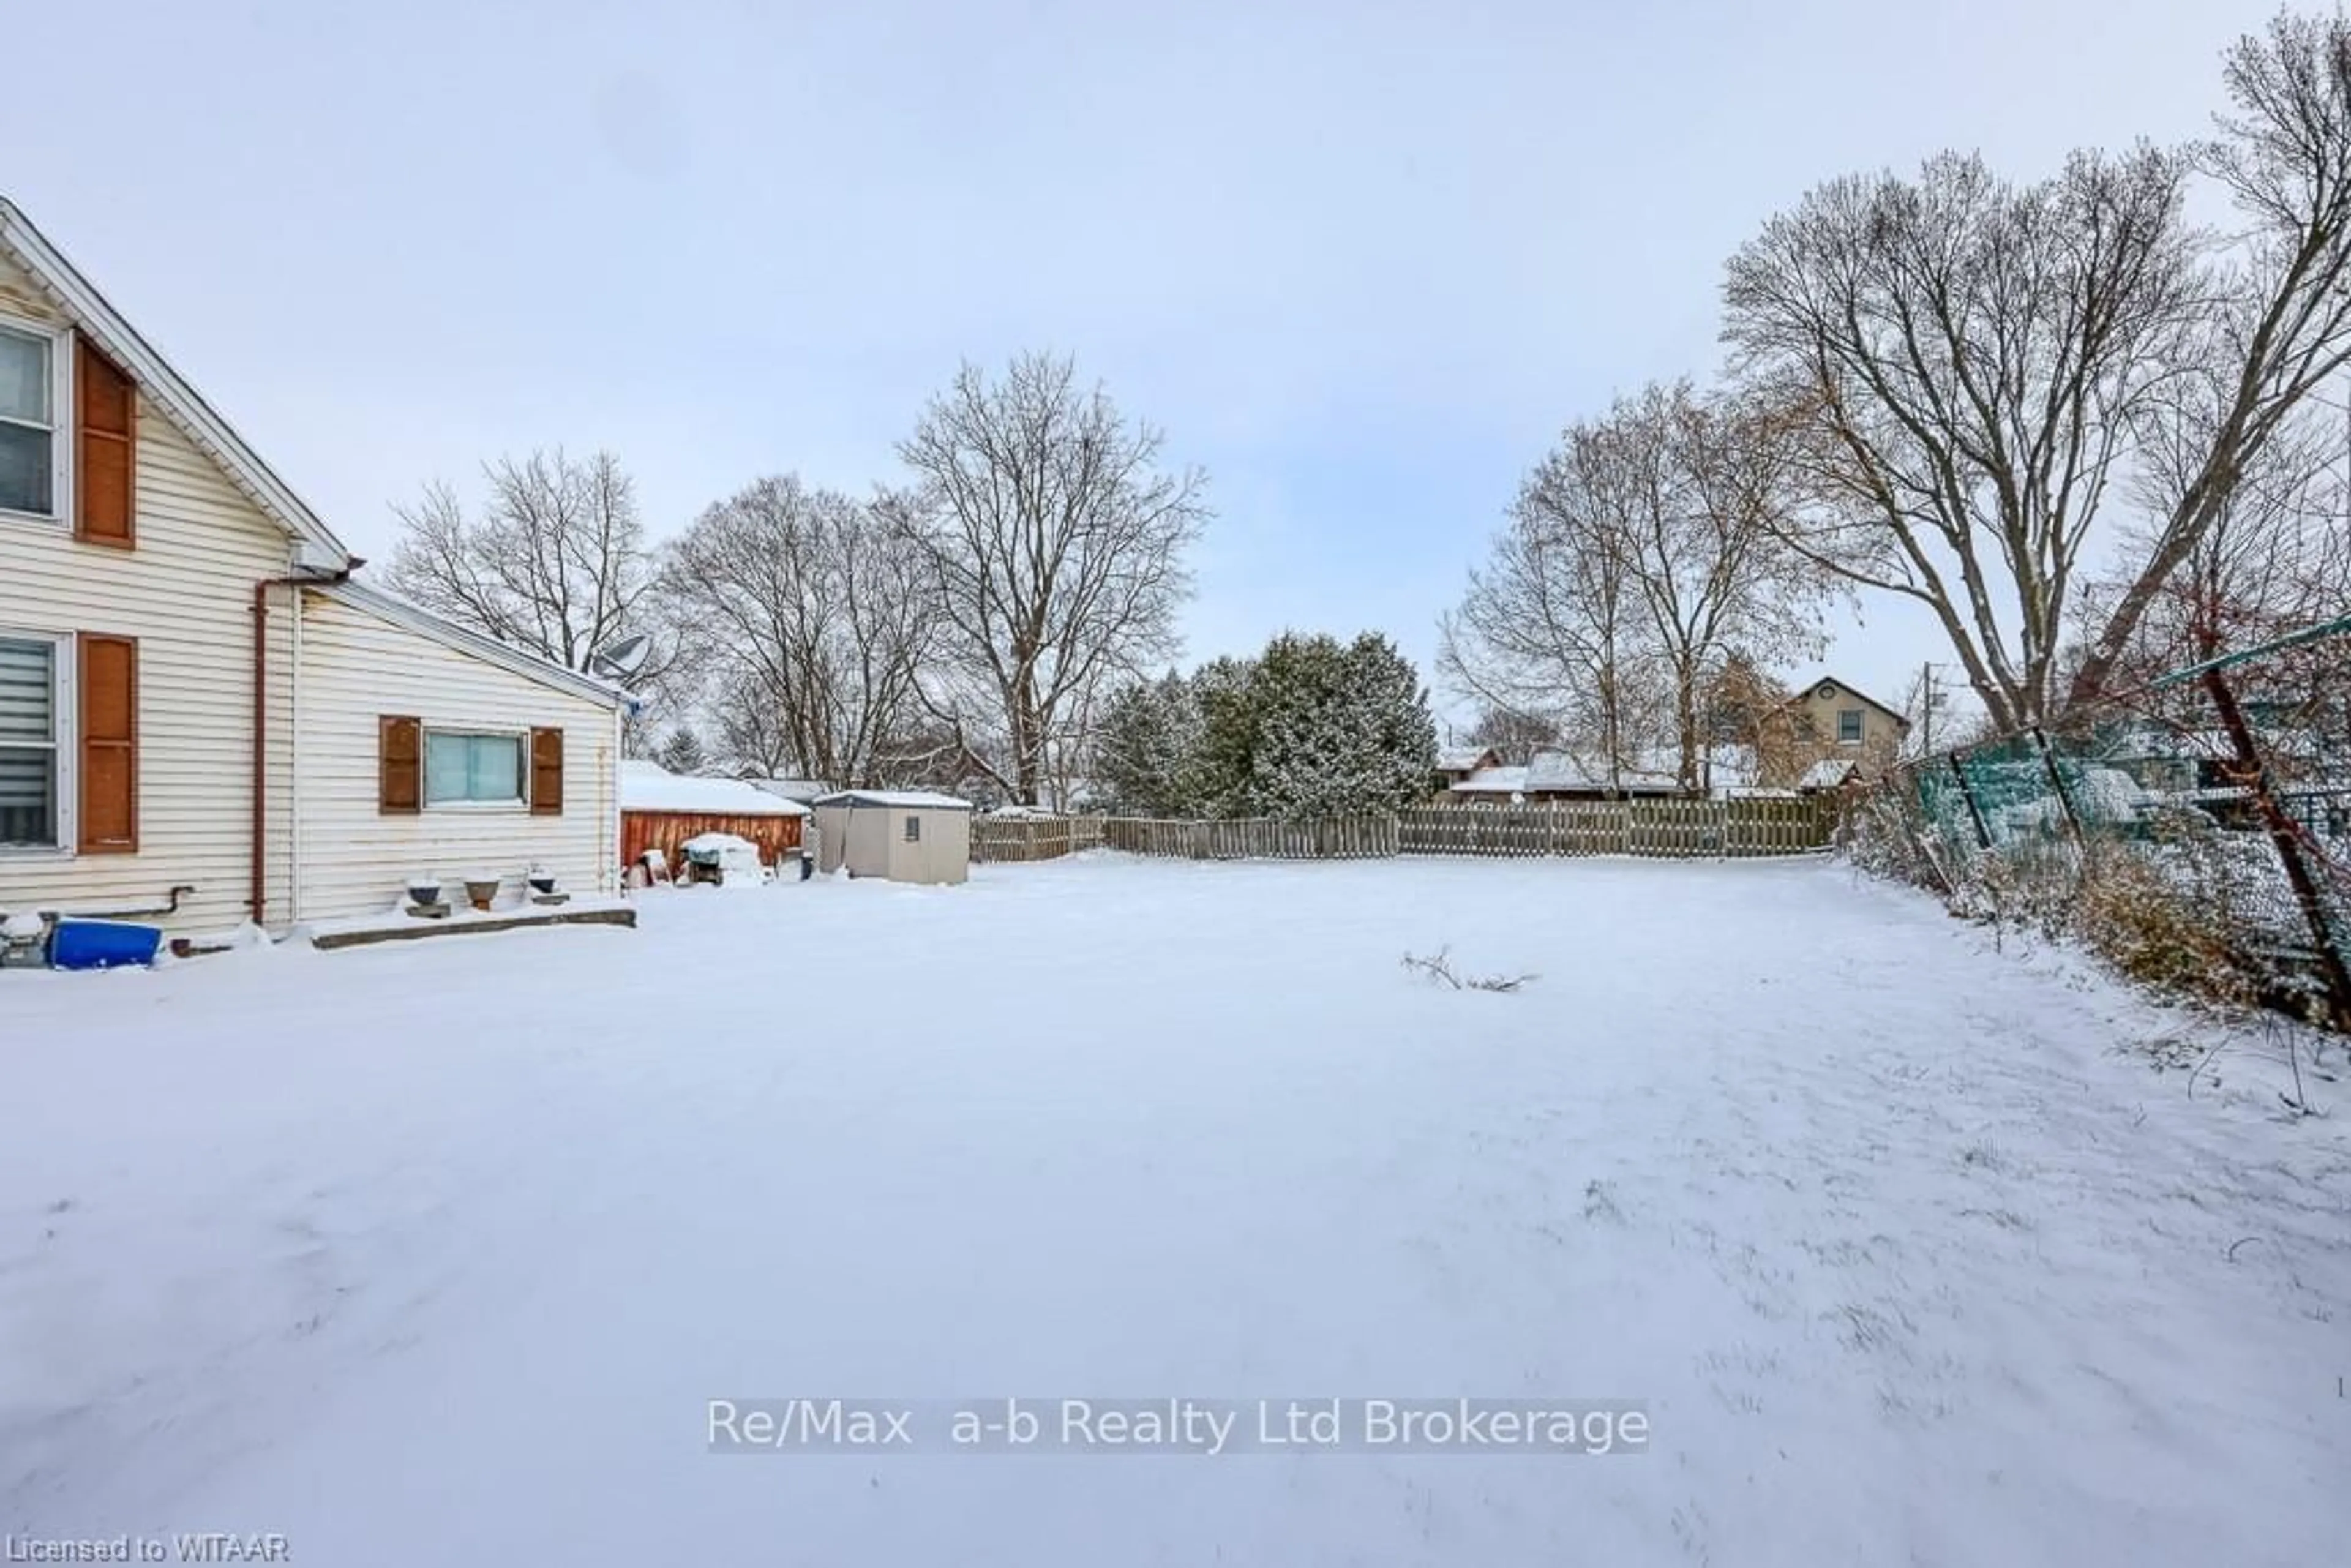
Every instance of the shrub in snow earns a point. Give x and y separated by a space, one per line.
2163 927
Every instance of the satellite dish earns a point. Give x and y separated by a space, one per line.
619 661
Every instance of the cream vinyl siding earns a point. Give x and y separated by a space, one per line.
358 666
1880 731
186 593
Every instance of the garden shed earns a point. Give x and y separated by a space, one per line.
660 810
905 835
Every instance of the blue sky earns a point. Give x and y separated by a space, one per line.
1361 261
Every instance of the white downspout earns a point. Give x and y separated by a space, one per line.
294 771
610 872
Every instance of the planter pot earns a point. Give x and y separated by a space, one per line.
424 893
542 884
479 892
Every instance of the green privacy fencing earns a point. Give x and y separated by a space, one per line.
2202 835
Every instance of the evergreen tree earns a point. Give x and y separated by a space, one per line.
1145 743
1217 780
683 752
1338 729
1395 732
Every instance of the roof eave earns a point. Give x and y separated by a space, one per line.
175 397
465 640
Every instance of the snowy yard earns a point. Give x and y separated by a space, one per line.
437 1253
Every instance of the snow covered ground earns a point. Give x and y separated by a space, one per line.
437 1253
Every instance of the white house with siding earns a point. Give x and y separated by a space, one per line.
204 717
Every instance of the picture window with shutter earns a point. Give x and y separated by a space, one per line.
35 756
35 444
464 768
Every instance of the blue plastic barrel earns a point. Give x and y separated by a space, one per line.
102 944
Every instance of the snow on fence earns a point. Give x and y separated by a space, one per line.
1255 838
1033 838
1686 830
1671 829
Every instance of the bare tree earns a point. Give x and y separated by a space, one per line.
747 713
1960 361
553 563
1054 543
2278 323
1515 738
1552 626
1708 551
815 616
1643 556
2275 558
1969 365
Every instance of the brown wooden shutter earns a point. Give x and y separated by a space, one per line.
400 765
105 432
546 773
107 669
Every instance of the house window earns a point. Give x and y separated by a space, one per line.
1849 726
31 755
33 392
463 770
914 830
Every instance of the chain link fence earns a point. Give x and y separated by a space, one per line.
2196 833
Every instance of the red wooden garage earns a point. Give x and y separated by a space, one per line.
660 810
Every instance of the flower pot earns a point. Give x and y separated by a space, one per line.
480 891
424 893
542 882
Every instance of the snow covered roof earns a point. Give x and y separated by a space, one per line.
1462 758
792 788
649 787
1492 782
1828 773
1561 770
909 798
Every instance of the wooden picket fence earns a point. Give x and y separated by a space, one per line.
1257 838
1033 838
1681 829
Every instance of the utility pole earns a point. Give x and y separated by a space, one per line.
1927 709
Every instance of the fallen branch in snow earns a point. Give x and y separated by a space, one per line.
1440 968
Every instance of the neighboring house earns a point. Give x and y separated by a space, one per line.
1456 764
1829 720
203 718
1489 786
905 835
1557 774
660 810
1568 776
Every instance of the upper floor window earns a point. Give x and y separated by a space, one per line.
1848 724
32 443
30 764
